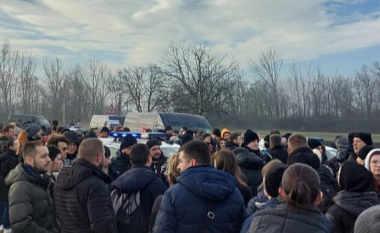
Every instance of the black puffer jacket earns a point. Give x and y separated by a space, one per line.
231 145
278 152
30 207
251 166
8 161
82 199
347 207
283 220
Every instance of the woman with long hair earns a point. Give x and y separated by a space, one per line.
226 161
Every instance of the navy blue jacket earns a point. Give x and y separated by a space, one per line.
185 205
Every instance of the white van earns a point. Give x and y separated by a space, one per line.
98 121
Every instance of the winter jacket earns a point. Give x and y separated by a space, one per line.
8 161
82 199
160 169
245 192
278 152
251 166
3 140
31 208
119 165
282 219
264 156
143 179
199 190
257 202
347 207
231 145
70 159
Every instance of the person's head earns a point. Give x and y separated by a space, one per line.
54 123
175 133
11 144
206 138
273 179
225 160
225 134
368 221
126 144
275 140
300 187
361 139
267 142
169 130
216 134
33 131
266 168
104 132
60 142
92 150
193 153
140 155
341 143
315 144
220 144
261 136
199 135
285 138
363 153
56 159
296 141
372 162
274 132
36 155
154 149
173 172
72 142
251 140
354 177
236 138
9 131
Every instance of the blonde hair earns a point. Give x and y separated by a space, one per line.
172 171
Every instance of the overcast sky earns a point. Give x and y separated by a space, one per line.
337 35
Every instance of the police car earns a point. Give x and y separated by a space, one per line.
168 148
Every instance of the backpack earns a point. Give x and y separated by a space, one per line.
130 216
329 187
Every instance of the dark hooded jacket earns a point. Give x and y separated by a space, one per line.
143 179
8 161
251 165
356 196
278 152
231 145
283 220
119 165
185 205
31 208
3 140
82 199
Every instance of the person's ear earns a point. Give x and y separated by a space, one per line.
319 198
281 192
193 162
149 159
289 151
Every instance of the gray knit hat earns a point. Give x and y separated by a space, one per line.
368 221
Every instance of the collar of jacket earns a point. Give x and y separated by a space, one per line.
94 169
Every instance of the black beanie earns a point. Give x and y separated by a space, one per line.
250 136
152 143
365 137
105 129
216 132
127 142
363 152
351 137
90 134
313 143
273 179
359 182
71 136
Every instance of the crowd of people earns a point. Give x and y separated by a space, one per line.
67 181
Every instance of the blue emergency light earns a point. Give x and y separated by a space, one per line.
137 135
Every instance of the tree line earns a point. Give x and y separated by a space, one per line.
192 78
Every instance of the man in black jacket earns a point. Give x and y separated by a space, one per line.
82 198
8 133
276 149
140 178
159 160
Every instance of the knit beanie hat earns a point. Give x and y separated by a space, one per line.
365 137
107 152
369 156
250 136
127 142
368 221
152 143
105 129
341 142
273 179
354 183
363 152
313 143
71 136
31 129
90 134
216 132
224 131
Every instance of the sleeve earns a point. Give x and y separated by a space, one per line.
112 171
100 210
12 164
335 226
166 219
21 210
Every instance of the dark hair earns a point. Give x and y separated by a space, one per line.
301 186
218 146
234 136
54 128
275 140
126 129
60 129
198 151
55 139
184 128
107 152
7 127
8 144
29 149
139 154
105 129
54 123
226 160
274 132
53 152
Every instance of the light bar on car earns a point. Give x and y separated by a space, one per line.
137 135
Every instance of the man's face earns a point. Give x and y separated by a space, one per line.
57 164
72 148
169 132
63 147
239 140
358 144
103 135
41 161
155 152
10 134
254 145
226 136
320 149
183 163
207 139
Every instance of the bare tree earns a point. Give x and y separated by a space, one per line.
366 89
